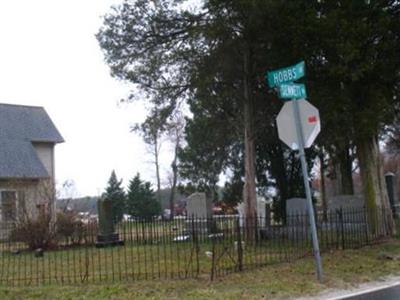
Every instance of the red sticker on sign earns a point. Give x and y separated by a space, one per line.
312 119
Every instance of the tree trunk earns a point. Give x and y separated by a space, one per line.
249 189
342 168
346 172
174 180
278 171
157 165
374 188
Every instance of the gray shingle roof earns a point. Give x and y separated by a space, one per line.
18 159
19 127
29 123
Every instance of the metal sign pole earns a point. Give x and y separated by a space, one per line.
300 139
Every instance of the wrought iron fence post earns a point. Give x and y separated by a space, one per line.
213 261
87 262
342 227
143 232
239 246
386 226
336 228
196 245
366 226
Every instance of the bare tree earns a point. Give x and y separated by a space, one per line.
67 191
175 132
35 223
152 130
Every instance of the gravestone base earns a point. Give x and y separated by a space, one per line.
200 226
291 232
105 240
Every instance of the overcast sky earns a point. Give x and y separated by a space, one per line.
49 57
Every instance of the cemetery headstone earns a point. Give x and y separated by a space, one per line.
296 205
296 211
352 207
346 202
263 217
241 212
263 212
199 207
107 235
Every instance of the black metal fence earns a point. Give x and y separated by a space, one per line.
184 248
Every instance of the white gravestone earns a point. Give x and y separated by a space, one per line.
241 212
261 211
198 206
262 217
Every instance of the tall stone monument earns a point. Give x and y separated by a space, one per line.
107 235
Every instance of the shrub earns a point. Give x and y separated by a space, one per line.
42 232
68 227
73 230
36 233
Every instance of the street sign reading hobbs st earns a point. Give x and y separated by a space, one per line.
284 75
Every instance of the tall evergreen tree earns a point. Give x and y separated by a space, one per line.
216 58
116 194
141 200
158 46
355 70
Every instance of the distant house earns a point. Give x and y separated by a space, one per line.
27 140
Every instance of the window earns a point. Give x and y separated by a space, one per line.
8 205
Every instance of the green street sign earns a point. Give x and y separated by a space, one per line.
292 91
284 75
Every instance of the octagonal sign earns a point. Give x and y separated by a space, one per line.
310 122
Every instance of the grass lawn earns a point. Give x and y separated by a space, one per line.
138 262
280 281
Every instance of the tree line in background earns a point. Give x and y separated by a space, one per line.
213 59
138 202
